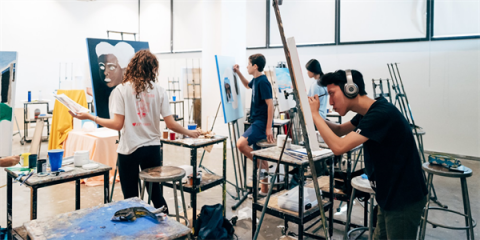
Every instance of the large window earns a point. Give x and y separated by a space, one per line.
155 24
187 25
453 18
256 23
310 22
375 20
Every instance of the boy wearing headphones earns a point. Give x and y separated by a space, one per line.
392 162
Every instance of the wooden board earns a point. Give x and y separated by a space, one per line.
95 223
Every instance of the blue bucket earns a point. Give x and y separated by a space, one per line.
55 157
192 126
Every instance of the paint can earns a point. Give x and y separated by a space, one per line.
165 134
192 126
32 161
41 165
281 139
172 135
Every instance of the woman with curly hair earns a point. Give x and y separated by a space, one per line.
135 109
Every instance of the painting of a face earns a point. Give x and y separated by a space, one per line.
108 63
228 91
110 71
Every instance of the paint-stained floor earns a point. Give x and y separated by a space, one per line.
61 198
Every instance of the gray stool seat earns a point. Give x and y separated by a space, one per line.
363 185
163 174
470 223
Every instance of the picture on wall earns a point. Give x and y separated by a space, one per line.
108 62
8 64
229 91
284 84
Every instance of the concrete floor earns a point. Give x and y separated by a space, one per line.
61 198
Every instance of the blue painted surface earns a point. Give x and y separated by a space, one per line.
95 223
6 58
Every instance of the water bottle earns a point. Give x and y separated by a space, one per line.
29 96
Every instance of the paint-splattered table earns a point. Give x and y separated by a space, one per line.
95 223
209 179
303 216
35 182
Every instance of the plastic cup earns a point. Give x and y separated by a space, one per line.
192 126
174 98
55 158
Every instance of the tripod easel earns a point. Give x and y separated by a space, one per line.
401 101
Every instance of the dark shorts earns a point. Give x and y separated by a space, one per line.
255 133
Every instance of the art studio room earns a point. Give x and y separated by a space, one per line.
239 119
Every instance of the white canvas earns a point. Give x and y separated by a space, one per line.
302 95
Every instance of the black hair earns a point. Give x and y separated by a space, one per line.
340 79
259 60
314 66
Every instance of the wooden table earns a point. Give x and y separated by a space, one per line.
95 223
210 179
301 217
35 182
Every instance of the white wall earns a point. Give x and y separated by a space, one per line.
441 80
47 33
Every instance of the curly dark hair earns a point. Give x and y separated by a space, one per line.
142 71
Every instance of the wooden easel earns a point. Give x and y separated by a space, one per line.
300 115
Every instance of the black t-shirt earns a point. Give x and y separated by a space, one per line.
261 91
392 162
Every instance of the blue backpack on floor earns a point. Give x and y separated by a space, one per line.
211 224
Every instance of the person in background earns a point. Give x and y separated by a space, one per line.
9 161
261 113
135 108
314 70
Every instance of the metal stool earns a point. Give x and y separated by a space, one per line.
470 223
165 174
363 185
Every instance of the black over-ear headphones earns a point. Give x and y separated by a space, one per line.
350 88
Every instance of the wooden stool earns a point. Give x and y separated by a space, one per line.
470 223
165 174
363 185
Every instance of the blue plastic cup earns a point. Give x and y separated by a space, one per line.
192 126
174 98
55 157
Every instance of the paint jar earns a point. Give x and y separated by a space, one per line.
172 135
41 165
81 158
55 158
282 116
281 139
24 158
32 161
165 134
192 126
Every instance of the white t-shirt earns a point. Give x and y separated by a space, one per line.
142 116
